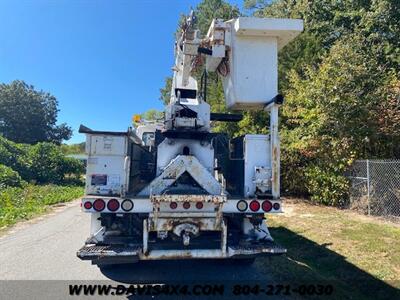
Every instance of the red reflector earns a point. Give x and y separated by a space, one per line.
113 205
173 205
99 205
267 206
87 205
199 205
277 206
254 205
186 205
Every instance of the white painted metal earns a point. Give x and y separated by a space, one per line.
145 236
109 145
275 152
145 205
171 148
259 232
182 254
262 179
144 254
230 206
284 30
165 224
189 198
224 237
201 123
95 224
257 153
177 167
206 253
107 155
217 36
146 132
113 168
253 59
253 77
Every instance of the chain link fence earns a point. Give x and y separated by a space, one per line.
375 187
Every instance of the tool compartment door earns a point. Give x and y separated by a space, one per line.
108 164
257 153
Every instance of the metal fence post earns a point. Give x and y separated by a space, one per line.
379 187
368 189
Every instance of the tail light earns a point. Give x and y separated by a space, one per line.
276 206
87 205
254 205
127 205
199 205
242 205
266 206
173 205
113 205
99 205
186 205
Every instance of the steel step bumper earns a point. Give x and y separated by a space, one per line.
134 253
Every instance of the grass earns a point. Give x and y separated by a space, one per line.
24 203
359 255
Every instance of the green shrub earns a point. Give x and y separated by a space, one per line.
293 173
9 177
49 165
42 163
24 203
326 186
15 156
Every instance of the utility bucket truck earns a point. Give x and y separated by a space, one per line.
177 190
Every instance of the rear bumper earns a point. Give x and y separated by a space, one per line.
115 254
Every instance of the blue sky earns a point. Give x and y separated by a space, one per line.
103 60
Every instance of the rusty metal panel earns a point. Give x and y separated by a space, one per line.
168 224
189 198
275 151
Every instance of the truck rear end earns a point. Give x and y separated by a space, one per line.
185 222
177 190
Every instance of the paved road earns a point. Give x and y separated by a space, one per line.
45 249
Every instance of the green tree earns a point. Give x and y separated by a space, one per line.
30 116
165 91
9 177
42 162
340 78
49 165
152 115
73 148
207 10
